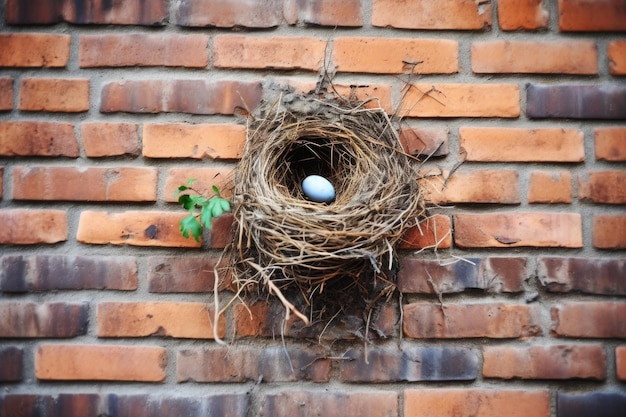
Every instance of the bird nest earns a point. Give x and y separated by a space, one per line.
321 259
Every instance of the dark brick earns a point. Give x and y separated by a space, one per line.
606 101
179 96
604 187
590 276
27 405
54 272
324 12
490 274
228 14
10 364
78 405
175 274
596 404
234 405
28 320
410 364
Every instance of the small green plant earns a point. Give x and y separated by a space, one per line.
201 209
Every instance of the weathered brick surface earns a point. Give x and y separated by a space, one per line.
431 14
522 14
137 405
172 274
545 362
609 231
591 319
425 141
610 143
426 320
34 49
605 187
11 360
607 15
606 404
29 227
484 186
476 402
616 51
620 362
31 138
346 13
6 93
433 232
570 101
494 275
54 95
22 273
241 13
100 363
104 139
33 320
591 276
550 187
205 179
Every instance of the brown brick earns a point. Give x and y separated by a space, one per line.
609 231
22 405
27 227
143 50
330 403
229 14
379 95
586 275
102 139
287 53
522 14
10 364
591 319
435 232
620 362
550 187
608 15
6 93
31 320
198 141
54 95
34 50
572 57
396 56
460 402
606 187
205 179
180 96
501 230
346 13
273 363
136 228
221 231
167 319
576 101
545 362
461 100
610 143
38 139
84 184
175 274
21 273
431 14
483 186
617 57
494 275
1 181
100 363
425 142
451 321
493 144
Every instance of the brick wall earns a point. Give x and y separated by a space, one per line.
106 107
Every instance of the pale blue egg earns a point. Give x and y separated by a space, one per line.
319 189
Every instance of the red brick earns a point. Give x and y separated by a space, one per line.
102 139
494 144
425 142
461 100
396 55
198 141
180 96
28 227
501 230
54 95
34 50
229 14
431 14
176 274
221 231
550 187
167 319
609 231
484 186
460 402
84 184
143 50
617 57
586 275
379 95
32 320
591 319
606 187
572 57
10 364
22 405
330 403
592 16
287 53
545 362
136 228
620 362
610 143
38 139
100 363
346 13
429 320
6 93
433 232
205 178
273 363
1 181
522 14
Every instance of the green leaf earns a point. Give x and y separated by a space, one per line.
206 214
191 225
216 190
186 201
190 181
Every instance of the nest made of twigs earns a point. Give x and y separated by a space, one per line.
286 245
